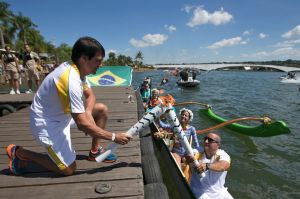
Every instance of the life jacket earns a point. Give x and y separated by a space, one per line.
154 102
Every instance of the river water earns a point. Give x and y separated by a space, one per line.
261 167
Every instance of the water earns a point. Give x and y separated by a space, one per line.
261 167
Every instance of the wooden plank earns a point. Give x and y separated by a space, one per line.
125 175
114 172
120 189
77 138
112 119
125 160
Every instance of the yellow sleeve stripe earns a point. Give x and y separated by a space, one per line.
56 159
62 86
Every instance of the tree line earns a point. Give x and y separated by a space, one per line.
17 30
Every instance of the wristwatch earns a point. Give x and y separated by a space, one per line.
113 137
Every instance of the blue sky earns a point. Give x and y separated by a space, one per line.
174 31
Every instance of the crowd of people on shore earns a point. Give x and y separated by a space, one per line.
15 68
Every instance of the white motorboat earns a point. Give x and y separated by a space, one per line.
189 83
291 77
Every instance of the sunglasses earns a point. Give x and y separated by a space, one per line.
210 140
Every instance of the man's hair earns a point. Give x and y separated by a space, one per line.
87 46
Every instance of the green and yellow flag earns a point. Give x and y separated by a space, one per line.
111 76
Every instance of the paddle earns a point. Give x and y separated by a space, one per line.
265 120
189 103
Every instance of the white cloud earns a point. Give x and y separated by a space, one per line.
201 16
149 40
288 43
170 28
246 32
112 51
294 33
187 8
228 42
288 51
280 53
262 35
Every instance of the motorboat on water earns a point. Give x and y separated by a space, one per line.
189 83
291 77
188 79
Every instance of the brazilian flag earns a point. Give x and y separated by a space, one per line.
111 76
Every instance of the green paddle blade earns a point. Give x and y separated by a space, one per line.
263 130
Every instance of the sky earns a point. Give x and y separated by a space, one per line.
174 31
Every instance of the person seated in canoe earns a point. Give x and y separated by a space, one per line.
154 99
149 80
186 116
145 93
215 163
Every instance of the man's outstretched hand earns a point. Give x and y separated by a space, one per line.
122 138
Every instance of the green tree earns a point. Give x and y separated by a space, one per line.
6 28
24 26
138 61
122 60
112 60
63 53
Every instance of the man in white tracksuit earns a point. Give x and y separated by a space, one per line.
64 98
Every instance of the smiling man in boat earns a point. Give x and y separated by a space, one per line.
58 104
215 163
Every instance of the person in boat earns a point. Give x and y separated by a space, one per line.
164 81
215 163
58 105
154 99
145 93
184 75
149 80
194 74
291 75
12 70
186 116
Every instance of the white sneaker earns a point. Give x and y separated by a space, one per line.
29 91
18 92
12 92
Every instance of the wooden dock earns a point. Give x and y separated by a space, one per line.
125 176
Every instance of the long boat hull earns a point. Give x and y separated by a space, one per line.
193 83
263 130
173 176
